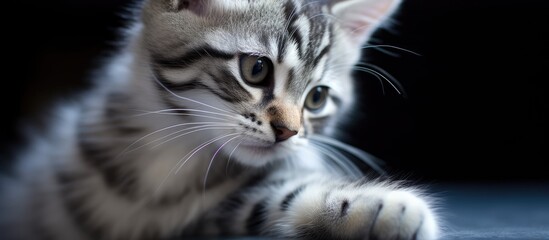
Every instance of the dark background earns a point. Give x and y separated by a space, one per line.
476 105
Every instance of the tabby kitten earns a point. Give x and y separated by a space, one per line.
207 123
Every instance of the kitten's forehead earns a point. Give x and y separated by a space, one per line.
244 22
296 35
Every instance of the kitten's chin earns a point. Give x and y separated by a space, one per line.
260 154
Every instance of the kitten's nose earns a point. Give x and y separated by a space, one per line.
282 133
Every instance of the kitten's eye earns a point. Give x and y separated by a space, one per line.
316 99
254 69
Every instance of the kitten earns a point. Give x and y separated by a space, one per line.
208 122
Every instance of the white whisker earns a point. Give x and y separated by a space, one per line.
367 158
383 74
200 148
184 109
193 115
175 169
197 130
231 156
211 162
157 131
338 158
380 46
379 76
378 72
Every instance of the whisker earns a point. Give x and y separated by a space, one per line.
389 79
191 153
160 130
388 52
377 72
193 115
200 148
376 75
367 158
211 162
337 158
183 110
198 130
231 156
380 46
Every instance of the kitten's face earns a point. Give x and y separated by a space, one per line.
262 73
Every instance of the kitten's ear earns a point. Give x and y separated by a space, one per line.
199 7
359 18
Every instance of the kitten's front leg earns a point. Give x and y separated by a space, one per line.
358 211
321 208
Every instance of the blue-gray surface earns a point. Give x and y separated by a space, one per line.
495 211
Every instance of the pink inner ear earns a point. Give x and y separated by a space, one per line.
196 6
360 17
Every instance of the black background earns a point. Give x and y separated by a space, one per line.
476 105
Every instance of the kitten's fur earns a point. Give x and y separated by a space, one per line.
177 140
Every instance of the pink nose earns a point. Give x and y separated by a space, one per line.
282 133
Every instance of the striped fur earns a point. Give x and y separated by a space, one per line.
176 140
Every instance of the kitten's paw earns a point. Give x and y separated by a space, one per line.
396 214
402 215
363 213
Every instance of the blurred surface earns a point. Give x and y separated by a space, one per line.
476 106
495 211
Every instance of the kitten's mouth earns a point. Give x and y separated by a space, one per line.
254 151
259 146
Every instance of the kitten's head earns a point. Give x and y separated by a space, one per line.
259 73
